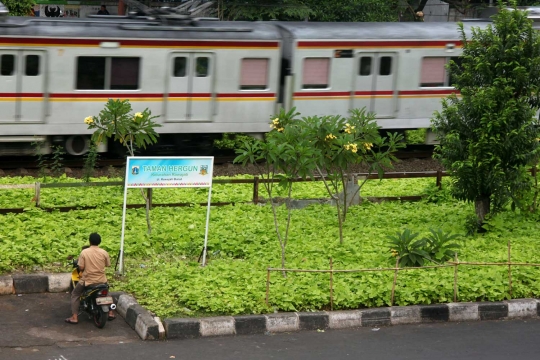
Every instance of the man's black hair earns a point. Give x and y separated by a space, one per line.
95 239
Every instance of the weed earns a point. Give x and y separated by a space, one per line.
57 163
90 160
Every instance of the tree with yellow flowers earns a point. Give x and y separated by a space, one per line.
133 131
343 142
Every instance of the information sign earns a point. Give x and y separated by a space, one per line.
166 172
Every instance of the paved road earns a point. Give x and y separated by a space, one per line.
40 334
34 320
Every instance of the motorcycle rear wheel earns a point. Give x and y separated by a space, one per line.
100 317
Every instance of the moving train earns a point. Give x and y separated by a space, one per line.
204 78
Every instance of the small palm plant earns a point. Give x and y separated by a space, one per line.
442 246
411 252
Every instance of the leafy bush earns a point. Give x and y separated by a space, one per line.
411 253
233 141
417 136
440 245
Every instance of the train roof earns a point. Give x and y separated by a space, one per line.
380 30
199 29
121 27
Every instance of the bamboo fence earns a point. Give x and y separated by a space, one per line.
455 264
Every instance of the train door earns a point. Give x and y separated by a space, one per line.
8 85
177 98
202 100
375 83
32 94
190 89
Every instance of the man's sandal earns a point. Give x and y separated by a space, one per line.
69 321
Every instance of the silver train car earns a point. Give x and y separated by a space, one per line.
204 78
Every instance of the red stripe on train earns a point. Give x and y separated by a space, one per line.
21 94
429 92
323 93
247 95
123 42
104 95
138 95
379 43
375 93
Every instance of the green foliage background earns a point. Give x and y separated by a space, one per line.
314 10
163 273
19 7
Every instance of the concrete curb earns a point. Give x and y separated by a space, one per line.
396 315
141 320
6 285
35 283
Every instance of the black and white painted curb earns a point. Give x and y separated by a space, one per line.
396 315
34 283
150 327
147 326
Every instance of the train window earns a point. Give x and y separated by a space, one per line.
254 74
202 66
7 65
385 66
316 71
32 65
125 73
365 66
91 73
434 72
179 67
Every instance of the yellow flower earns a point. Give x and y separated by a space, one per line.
276 121
280 129
330 137
352 147
368 146
88 120
348 128
137 116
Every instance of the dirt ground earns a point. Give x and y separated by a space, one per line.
406 165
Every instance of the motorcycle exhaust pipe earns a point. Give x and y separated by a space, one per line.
113 306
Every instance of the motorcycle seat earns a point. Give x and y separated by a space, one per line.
96 286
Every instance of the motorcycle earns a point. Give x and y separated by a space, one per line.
95 300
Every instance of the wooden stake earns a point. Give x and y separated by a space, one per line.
455 276
38 194
267 286
331 285
509 271
394 284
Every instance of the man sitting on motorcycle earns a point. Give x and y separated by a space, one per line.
92 263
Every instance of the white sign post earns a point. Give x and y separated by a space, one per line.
167 172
